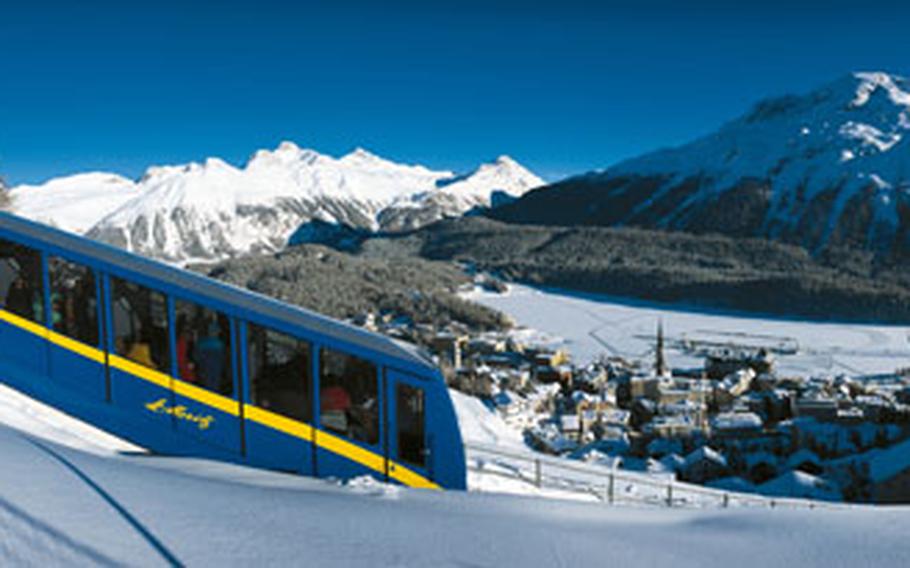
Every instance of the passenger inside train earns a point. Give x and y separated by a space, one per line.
20 281
203 348
349 394
140 325
281 373
74 305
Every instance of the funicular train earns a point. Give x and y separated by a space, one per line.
184 365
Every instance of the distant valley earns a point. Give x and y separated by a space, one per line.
700 271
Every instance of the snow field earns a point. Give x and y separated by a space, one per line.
205 512
590 326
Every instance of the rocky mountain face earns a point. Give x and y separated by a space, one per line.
5 200
826 169
214 210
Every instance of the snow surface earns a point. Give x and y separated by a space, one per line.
64 506
74 203
201 513
482 425
800 484
27 414
590 325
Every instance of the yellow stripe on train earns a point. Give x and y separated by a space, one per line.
22 323
222 403
277 422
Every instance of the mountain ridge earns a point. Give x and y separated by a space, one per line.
212 210
827 168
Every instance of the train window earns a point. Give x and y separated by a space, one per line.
74 303
280 373
204 348
140 324
349 396
411 424
21 281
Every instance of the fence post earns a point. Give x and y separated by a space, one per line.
611 487
670 494
538 474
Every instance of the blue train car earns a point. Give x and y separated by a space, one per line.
184 365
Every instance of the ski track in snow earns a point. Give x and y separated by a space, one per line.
27 541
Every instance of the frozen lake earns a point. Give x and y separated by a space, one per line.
589 325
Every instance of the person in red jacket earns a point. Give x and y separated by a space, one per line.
335 403
185 365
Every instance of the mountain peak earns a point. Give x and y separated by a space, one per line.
287 147
503 174
897 88
363 156
507 166
287 152
217 163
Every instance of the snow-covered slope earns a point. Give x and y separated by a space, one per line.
214 210
481 425
64 506
73 203
828 167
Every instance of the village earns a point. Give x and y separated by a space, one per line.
735 423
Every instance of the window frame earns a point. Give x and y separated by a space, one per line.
247 335
232 344
41 254
111 279
100 300
424 442
381 404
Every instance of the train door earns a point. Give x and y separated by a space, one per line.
77 359
206 393
410 442
139 359
349 441
278 399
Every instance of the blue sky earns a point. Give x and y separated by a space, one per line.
563 87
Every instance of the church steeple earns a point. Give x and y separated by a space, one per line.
660 363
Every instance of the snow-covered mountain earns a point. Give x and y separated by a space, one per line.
73 203
214 210
491 184
831 167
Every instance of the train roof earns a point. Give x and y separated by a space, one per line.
243 299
